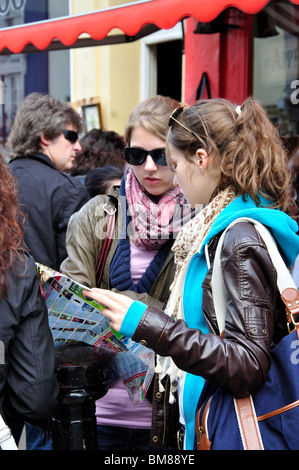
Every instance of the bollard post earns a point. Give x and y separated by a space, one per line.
83 374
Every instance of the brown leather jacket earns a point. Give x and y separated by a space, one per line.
255 323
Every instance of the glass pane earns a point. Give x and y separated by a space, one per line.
275 81
15 12
21 74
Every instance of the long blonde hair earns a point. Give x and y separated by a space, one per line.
245 144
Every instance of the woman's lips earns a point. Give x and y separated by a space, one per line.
151 181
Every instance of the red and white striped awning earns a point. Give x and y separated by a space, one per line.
134 20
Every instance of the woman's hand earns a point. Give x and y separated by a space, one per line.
116 305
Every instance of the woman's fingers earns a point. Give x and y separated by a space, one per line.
116 305
99 295
108 299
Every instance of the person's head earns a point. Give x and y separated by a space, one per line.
11 235
45 124
214 144
99 148
146 131
101 180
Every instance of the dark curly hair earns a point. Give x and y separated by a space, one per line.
11 233
99 148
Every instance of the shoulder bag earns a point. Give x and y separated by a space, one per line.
268 419
110 209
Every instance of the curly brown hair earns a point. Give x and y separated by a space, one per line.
99 148
11 234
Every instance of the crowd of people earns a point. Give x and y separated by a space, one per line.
176 179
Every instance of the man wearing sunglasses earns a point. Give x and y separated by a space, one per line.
43 145
63 149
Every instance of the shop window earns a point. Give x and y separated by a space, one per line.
21 74
276 73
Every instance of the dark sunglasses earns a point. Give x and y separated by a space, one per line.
71 136
173 119
137 156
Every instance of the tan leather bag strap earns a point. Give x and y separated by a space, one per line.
202 436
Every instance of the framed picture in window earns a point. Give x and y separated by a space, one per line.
92 116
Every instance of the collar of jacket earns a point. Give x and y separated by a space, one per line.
41 157
113 192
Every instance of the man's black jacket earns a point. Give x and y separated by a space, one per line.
48 197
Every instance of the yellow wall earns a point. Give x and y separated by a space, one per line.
108 72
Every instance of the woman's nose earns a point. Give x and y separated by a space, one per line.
150 165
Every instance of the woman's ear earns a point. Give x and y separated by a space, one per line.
201 159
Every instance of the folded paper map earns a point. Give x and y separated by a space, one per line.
73 318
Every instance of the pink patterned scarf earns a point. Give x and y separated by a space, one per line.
154 223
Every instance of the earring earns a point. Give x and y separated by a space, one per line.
201 170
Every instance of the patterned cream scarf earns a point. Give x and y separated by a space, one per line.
187 244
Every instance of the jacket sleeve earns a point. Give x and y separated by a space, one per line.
141 297
32 386
239 361
84 239
68 199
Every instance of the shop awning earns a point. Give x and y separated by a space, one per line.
120 24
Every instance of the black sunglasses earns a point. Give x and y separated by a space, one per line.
137 156
71 136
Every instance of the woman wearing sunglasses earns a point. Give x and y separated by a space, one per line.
231 160
150 210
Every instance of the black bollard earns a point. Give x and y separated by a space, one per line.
83 374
